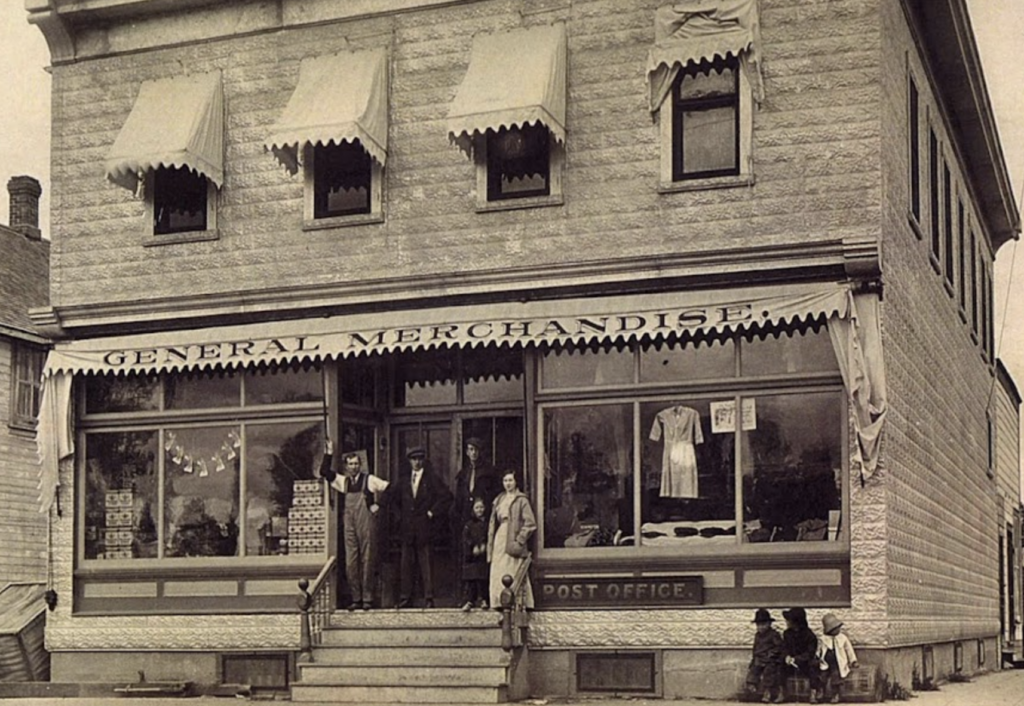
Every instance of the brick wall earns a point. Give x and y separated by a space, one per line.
942 518
23 550
816 155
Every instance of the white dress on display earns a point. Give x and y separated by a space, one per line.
680 427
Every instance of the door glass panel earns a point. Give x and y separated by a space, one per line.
425 378
358 438
503 442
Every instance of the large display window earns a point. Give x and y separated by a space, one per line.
735 444
213 464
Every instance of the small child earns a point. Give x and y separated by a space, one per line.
765 671
801 650
475 572
836 655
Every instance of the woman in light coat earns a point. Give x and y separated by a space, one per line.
511 525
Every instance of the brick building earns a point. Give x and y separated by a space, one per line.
24 284
637 250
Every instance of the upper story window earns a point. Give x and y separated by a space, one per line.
180 201
342 180
914 120
335 127
175 156
706 122
26 376
512 122
518 163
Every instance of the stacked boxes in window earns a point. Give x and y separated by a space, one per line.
307 519
118 534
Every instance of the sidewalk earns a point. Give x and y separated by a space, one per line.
1005 688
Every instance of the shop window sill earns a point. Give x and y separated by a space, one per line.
516 204
360 219
194 236
728 182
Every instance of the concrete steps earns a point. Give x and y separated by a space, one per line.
424 656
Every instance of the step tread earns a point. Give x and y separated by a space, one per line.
424 656
403 675
398 694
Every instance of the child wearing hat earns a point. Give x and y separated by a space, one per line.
836 655
765 671
800 646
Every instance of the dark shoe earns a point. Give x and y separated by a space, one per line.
429 603
482 604
404 603
354 605
367 605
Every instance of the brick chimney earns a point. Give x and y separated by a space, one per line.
24 212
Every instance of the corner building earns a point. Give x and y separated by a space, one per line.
637 249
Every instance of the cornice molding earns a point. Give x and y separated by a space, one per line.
850 258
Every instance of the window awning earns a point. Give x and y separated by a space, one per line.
175 122
702 30
853 323
514 79
339 98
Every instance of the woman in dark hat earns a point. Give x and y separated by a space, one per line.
764 674
476 479
800 646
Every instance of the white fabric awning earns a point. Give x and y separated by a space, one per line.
514 79
617 318
339 98
702 30
175 122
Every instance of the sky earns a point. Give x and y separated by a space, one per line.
25 135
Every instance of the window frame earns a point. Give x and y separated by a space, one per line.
934 200
914 148
152 237
556 165
375 214
637 393
19 385
667 122
160 421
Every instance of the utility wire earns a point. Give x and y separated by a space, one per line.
1006 305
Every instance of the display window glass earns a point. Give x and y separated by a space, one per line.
585 367
231 482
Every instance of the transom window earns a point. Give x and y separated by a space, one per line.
706 121
180 198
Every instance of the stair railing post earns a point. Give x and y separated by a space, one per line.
507 601
305 602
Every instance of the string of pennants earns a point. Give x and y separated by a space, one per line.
191 463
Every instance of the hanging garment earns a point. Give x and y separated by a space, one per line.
680 427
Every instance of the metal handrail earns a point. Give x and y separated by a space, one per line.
315 606
513 605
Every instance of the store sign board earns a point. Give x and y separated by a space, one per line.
626 592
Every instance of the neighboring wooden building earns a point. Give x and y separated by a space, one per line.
1005 444
637 250
24 284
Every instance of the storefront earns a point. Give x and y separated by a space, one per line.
683 448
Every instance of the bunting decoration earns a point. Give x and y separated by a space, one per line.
192 463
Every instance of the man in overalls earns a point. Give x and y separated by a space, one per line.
360 490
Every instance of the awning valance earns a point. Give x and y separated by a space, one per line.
702 30
175 122
339 98
514 79
617 318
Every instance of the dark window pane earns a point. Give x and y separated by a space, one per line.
28 372
589 481
709 140
684 362
586 367
203 390
284 384
502 439
358 381
788 352
791 456
341 180
706 122
133 393
121 495
492 375
284 510
915 152
688 479
518 162
179 200
358 438
201 491
425 378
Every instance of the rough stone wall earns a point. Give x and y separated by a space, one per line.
942 516
815 150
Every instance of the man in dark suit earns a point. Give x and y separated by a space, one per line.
423 501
